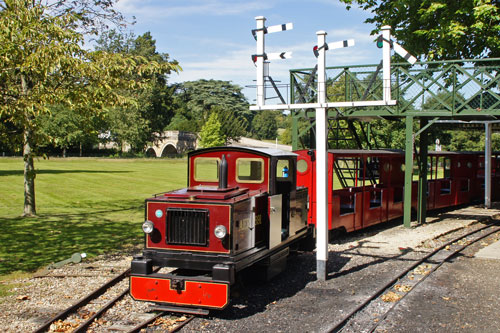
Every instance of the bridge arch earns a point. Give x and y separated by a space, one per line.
150 152
171 143
169 149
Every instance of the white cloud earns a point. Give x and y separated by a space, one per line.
360 37
236 65
152 10
340 5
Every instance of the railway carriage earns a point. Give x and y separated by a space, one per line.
366 187
246 207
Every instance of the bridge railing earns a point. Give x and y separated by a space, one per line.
469 88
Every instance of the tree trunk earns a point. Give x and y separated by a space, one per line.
81 150
64 152
29 176
29 170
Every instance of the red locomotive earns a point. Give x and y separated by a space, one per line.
247 207
242 207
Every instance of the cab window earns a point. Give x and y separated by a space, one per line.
249 170
283 169
206 169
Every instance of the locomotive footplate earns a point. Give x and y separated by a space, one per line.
173 289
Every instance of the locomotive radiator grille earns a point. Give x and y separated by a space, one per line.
187 226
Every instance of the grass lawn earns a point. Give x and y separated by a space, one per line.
86 205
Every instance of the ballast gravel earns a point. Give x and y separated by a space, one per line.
294 301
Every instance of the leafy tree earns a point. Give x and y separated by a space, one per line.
303 128
463 140
136 125
182 122
389 133
264 125
64 127
211 133
43 63
198 98
127 126
439 29
10 134
233 125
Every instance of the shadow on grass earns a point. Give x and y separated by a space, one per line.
27 244
55 172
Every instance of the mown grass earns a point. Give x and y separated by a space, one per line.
83 204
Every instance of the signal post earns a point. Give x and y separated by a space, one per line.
321 107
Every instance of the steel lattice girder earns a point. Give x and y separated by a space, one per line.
468 88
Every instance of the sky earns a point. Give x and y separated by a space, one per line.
211 39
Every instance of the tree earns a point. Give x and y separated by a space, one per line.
182 122
64 127
264 125
137 125
233 125
304 127
128 126
439 29
43 63
198 98
211 134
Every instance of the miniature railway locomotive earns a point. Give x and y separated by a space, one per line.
241 208
246 207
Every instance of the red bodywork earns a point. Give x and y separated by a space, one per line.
264 216
365 204
230 188
195 293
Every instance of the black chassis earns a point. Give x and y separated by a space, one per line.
222 266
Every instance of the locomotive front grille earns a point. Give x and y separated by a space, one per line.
187 226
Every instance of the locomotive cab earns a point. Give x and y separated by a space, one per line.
241 208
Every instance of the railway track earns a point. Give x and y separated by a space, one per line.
82 319
386 298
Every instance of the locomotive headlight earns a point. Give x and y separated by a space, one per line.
220 231
148 227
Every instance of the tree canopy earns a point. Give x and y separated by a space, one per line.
439 29
43 63
136 124
195 101
264 125
198 98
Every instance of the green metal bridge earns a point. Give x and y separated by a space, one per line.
467 90
459 88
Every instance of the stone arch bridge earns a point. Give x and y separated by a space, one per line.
171 143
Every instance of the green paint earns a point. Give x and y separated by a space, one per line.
408 172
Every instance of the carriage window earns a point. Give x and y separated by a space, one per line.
447 168
250 170
206 169
431 168
443 168
283 169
